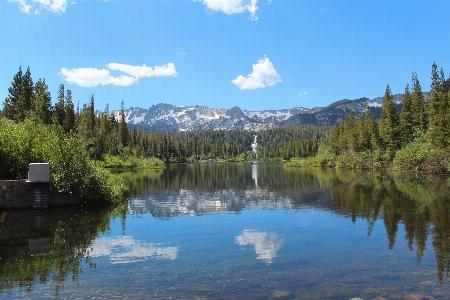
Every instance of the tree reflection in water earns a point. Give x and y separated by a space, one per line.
54 246
50 246
421 204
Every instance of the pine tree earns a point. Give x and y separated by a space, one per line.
370 122
91 114
333 139
11 104
69 113
364 134
123 129
408 122
389 123
351 131
27 99
438 110
60 110
42 105
419 118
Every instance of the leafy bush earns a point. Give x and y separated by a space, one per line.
365 160
420 156
240 158
322 160
70 168
296 163
345 161
412 156
115 162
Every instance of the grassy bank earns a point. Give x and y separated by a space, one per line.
128 162
419 156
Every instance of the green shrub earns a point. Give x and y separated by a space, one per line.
412 156
118 162
321 160
296 163
344 161
240 158
70 168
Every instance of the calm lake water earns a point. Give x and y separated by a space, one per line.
239 231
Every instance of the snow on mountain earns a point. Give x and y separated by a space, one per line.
181 118
168 117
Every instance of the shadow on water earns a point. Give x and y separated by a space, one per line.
49 246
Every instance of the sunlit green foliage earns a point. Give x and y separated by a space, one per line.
276 143
71 169
131 162
389 124
417 140
438 110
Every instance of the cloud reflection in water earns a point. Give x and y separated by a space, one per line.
124 249
266 243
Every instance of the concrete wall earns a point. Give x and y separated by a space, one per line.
20 194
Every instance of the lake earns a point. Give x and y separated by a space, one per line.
238 231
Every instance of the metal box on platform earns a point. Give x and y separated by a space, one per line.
38 172
39 176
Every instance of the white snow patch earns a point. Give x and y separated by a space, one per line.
375 104
267 114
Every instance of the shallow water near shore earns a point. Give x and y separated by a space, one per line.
238 231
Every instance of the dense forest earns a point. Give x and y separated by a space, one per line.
276 143
107 138
416 139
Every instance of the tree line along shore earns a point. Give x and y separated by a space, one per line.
82 143
415 140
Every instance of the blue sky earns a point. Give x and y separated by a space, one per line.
255 54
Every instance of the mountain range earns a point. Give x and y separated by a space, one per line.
168 117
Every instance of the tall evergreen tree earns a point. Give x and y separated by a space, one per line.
351 131
333 139
15 93
389 123
124 132
438 128
92 114
69 113
419 117
364 134
27 100
408 122
42 106
60 107
370 122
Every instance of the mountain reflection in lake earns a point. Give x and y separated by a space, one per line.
239 231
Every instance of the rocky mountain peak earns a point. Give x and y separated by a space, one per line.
163 116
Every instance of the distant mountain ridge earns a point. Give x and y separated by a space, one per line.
168 117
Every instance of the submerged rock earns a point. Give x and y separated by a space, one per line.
281 294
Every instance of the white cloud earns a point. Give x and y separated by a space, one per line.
301 94
233 6
23 5
266 244
144 71
263 75
57 6
88 77
125 249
